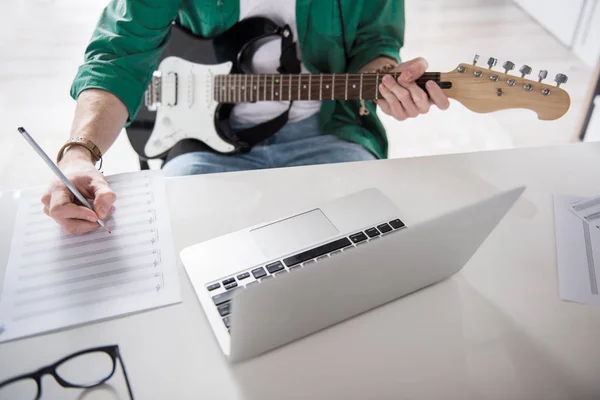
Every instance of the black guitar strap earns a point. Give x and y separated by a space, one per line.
288 64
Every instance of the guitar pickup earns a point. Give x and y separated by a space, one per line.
152 96
170 89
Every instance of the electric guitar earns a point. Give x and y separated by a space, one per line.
191 95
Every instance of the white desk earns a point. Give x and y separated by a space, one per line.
496 330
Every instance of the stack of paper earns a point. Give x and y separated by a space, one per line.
578 248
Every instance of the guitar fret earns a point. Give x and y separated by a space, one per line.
360 94
226 79
346 86
299 85
272 84
333 87
281 87
377 87
321 88
245 84
290 88
239 91
309 89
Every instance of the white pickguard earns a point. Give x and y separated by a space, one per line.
187 107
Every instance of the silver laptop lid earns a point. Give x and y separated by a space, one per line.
297 304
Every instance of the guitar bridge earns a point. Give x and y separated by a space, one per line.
152 96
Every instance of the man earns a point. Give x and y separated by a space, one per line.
124 51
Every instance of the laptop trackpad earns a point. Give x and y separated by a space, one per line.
293 233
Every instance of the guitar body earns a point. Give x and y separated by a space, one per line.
193 115
186 111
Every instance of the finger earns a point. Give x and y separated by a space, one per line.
73 211
59 197
397 109
46 198
104 198
402 95
384 105
418 96
77 227
413 69
437 95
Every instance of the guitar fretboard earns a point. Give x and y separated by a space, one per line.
238 88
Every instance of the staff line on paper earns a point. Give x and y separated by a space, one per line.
90 264
87 289
71 257
90 277
82 303
83 243
94 234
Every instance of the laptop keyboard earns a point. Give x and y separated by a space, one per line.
225 288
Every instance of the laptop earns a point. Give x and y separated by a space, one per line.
270 284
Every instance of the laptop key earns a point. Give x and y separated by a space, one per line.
243 276
224 309
213 286
372 232
223 297
396 224
227 322
259 272
231 285
384 228
274 267
228 281
358 237
317 251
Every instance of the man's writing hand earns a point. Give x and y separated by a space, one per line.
403 99
58 200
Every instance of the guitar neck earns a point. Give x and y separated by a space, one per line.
239 88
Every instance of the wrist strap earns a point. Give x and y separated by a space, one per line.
80 141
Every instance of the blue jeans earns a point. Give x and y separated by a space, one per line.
299 143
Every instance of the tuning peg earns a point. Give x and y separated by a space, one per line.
475 59
542 75
560 79
491 62
525 70
508 66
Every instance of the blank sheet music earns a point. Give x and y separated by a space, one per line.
55 280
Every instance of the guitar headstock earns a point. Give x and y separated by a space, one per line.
484 90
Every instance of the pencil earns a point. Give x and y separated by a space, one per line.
60 175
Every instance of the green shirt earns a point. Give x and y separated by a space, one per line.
130 35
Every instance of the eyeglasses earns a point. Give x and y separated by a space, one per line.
84 369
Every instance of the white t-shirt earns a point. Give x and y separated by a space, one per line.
266 61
